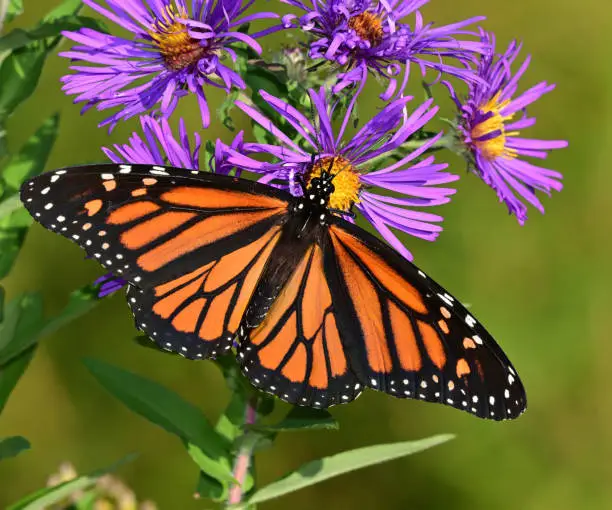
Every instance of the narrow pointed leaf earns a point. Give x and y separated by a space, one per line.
2 297
13 230
10 205
329 467
22 317
66 8
19 38
14 9
210 466
230 423
11 373
29 161
49 496
33 155
30 327
210 488
13 446
19 75
167 410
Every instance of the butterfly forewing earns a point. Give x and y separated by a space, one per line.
193 247
410 338
148 224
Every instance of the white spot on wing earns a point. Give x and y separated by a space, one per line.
470 321
444 297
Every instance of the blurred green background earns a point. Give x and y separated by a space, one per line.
543 290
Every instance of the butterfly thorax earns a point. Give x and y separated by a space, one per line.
313 205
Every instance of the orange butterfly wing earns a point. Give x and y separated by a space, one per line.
148 224
199 313
296 353
408 337
193 245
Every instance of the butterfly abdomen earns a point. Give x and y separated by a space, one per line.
288 253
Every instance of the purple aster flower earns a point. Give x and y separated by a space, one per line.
366 35
109 284
489 127
408 183
174 51
159 146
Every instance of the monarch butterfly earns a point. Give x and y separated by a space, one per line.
320 309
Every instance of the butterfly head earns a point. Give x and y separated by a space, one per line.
321 188
332 182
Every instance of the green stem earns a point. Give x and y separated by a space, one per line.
243 459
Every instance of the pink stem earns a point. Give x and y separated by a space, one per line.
243 459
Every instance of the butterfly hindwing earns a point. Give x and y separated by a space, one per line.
199 313
297 353
412 339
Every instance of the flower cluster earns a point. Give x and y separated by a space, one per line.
385 168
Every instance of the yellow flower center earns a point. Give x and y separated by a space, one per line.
346 181
368 26
489 136
171 36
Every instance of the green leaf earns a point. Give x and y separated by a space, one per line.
18 38
33 155
210 488
79 303
11 373
10 205
19 75
301 418
329 467
30 325
259 78
13 230
23 316
14 9
210 466
2 297
224 111
29 161
49 496
23 325
230 423
66 8
168 410
13 446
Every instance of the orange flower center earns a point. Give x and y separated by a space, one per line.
171 36
492 147
368 26
346 181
